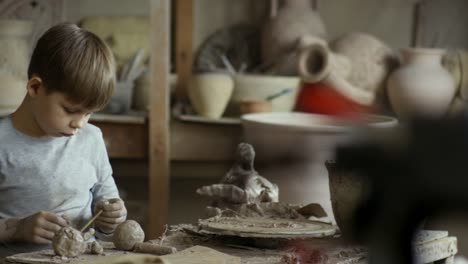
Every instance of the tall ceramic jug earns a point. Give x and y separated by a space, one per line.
14 59
421 86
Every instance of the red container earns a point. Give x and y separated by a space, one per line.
322 99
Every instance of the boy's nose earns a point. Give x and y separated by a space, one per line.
78 123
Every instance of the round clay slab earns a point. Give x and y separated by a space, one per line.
267 228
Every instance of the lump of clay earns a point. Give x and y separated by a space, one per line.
68 242
96 248
127 234
242 184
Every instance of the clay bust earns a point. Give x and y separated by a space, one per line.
69 242
242 184
127 234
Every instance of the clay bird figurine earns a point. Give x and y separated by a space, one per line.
242 184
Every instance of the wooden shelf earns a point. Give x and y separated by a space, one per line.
203 142
124 140
188 142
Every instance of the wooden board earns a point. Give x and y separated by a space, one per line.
124 141
192 255
204 142
184 45
159 118
442 24
200 255
48 257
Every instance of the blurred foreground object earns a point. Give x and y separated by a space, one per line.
411 174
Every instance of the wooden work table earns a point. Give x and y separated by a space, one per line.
431 247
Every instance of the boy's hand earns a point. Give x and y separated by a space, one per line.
113 214
39 228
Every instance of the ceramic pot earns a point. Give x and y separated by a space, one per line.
256 87
141 91
421 86
210 93
14 59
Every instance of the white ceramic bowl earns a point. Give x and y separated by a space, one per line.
253 87
302 136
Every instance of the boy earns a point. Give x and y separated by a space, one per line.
54 169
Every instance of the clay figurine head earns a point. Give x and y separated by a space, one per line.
245 156
68 242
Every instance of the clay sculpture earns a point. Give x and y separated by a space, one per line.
69 242
242 184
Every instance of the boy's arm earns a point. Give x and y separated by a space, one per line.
105 188
8 229
106 195
37 228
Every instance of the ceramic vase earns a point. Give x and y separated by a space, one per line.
14 59
209 93
421 86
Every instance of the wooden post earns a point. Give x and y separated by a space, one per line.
159 118
184 45
416 27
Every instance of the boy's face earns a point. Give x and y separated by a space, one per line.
55 115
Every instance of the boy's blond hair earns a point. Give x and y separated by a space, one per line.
75 62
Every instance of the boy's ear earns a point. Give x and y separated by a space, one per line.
34 86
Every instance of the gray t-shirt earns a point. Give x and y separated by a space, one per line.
65 175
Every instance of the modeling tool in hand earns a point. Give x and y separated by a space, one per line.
91 221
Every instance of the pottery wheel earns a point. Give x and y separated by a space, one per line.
265 228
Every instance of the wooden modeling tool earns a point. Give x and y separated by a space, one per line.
91 220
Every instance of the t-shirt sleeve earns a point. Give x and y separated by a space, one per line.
105 188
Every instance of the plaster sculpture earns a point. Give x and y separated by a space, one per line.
355 64
69 242
242 184
295 18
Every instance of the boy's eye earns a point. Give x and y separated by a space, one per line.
70 111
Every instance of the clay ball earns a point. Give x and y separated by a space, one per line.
127 234
68 242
